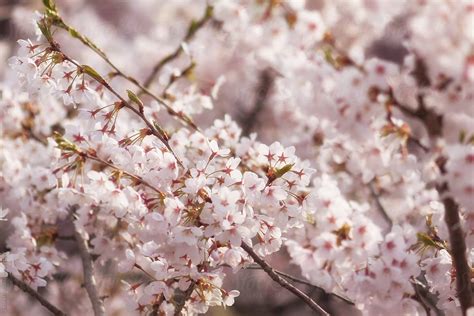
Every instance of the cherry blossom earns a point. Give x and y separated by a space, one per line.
336 135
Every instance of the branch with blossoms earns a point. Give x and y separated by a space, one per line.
301 281
433 122
153 128
458 249
191 31
89 279
170 208
69 149
36 296
282 282
53 17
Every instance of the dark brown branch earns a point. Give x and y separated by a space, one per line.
284 283
432 121
424 297
181 299
457 242
89 280
265 84
34 294
458 253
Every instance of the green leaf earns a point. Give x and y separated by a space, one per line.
462 136
280 172
91 72
50 4
64 144
427 242
45 28
74 33
470 141
161 131
135 99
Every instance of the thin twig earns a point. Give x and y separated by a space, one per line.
89 280
297 280
433 122
379 205
130 175
186 71
284 283
422 296
192 29
34 294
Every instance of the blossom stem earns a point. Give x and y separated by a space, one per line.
89 279
379 205
175 78
284 283
34 294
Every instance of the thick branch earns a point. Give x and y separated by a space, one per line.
263 89
284 283
181 299
425 298
89 280
458 253
457 242
34 294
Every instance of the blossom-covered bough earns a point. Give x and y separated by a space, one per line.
119 197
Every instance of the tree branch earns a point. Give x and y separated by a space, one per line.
284 283
59 22
458 253
297 280
34 294
181 299
192 29
156 130
423 296
265 83
380 207
457 242
89 280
